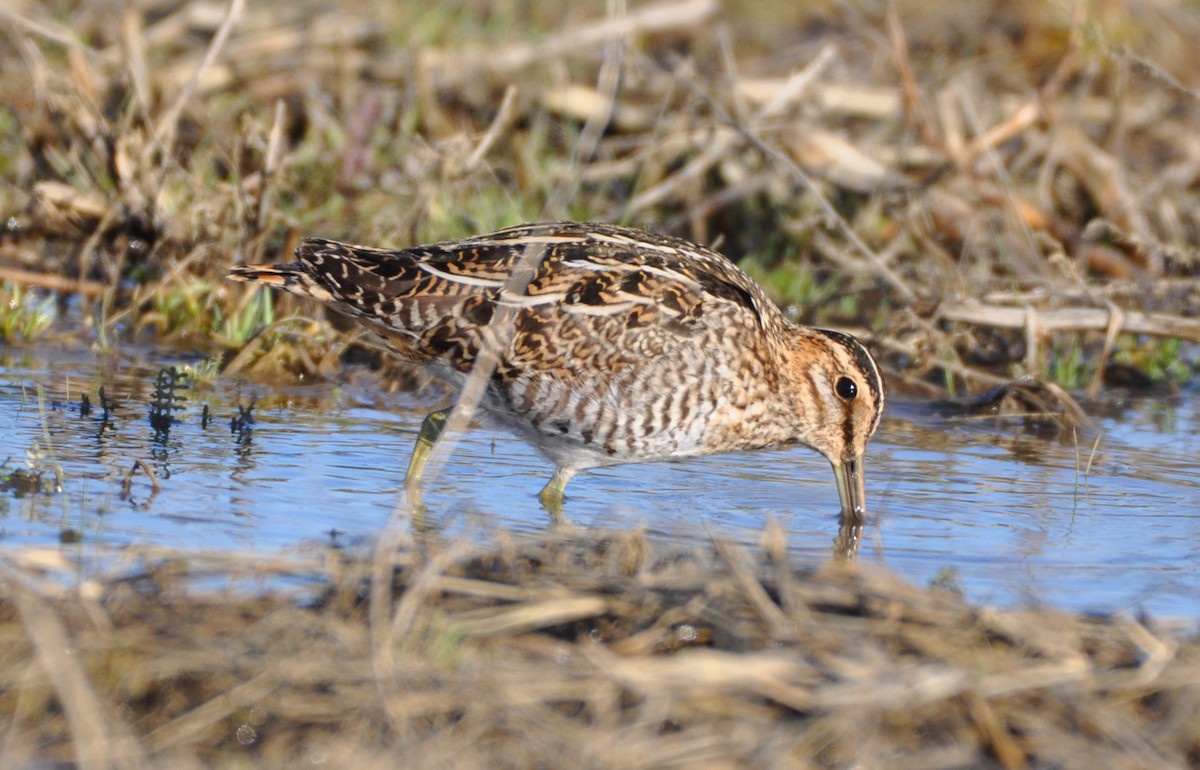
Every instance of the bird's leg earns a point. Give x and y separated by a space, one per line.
431 430
552 494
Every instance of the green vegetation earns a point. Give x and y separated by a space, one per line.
791 283
1069 365
24 317
1162 360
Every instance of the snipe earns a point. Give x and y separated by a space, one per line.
617 346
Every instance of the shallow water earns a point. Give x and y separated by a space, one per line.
1014 518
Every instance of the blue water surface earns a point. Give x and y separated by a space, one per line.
1014 517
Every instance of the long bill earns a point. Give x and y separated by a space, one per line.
851 489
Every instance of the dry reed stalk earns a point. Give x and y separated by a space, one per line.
718 147
52 282
915 108
98 737
167 125
450 69
1071 319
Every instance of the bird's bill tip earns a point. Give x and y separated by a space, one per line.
851 488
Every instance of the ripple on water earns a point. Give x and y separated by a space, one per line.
1018 518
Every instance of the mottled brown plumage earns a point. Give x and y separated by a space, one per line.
624 346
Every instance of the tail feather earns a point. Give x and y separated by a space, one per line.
273 274
293 278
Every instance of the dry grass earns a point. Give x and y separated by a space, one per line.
1015 178
980 190
590 650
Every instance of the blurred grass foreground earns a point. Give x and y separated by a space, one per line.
592 650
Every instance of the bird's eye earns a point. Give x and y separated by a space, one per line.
846 388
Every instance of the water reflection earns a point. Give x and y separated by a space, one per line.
1106 525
